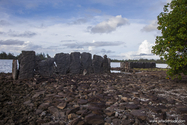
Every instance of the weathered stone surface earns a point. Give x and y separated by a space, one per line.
182 110
62 105
44 106
75 64
77 121
109 113
46 67
116 121
124 99
26 64
38 94
94 119
28 103
82 101
72 116
14 70
97 64
72 110
141 114
109 61
54 111
86 62
62 61
132 106
105 65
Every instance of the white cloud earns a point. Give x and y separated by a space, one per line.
145 48
151 27
168 1
109 25
144 51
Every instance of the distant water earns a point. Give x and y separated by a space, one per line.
6 65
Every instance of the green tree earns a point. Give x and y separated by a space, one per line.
48 56
172 45
41 56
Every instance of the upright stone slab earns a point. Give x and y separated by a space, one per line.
26 64
97 64
105 64
62 61
37 61
86 62
75 64
46 67
109 61
14 70
122 64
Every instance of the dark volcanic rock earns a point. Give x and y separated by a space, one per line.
63 62
82 101
54 111
62 105
46 67
77 121
131 106
26 64
92 99
72 110
86 62
94 119
75 65
141 114
97 64
182 110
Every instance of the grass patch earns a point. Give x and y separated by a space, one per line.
151 69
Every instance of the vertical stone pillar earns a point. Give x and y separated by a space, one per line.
105 63
63 62
86 62
126 66
109 61
97 64
46 67
26 65
75 65
14 69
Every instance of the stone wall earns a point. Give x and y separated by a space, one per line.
130 65
62 63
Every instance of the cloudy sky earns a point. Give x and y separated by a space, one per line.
122 29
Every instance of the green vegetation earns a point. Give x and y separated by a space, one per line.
4 55
140 60
172 45
151 69
43 56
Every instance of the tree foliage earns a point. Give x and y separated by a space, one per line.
4 55
172 45
140 60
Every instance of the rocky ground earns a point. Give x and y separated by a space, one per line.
107 99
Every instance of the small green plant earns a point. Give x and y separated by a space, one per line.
172 45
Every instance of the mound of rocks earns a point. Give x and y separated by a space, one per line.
97 99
